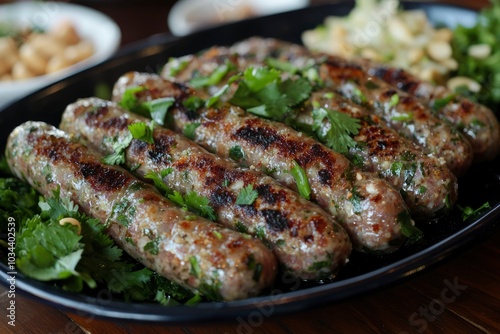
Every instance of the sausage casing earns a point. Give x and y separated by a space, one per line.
189 250
306 240
368 207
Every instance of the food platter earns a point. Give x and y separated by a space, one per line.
364 273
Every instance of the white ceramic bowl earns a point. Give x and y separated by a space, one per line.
92 25
187 16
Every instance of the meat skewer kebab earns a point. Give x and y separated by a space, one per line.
428 186
399 110
306 240
476 121
191 251
372 212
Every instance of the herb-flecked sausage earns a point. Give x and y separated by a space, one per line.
477 122
191 251
306 240
399 110
372 212
428 187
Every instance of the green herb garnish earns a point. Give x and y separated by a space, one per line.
247 196
300 176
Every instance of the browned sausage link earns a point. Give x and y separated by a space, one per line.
399 110
428 187
192 251
368 207
306 240
476 121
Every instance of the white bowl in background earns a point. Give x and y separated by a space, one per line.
187 16
91 25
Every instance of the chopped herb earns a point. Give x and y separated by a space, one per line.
338 135
284 66
195 267
300 176
397 167
468 212
190 129
217 234
141 131
371 85
422 190
240 227
158 180
193 103
408 228
214 78
129 99
360 98
262 92
394 100
152 247
118 155
247 195
199 205
236 153
176 65
356 199
408 156
158 108
402 117
439 104
155 109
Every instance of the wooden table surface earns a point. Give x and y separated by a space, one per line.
461 295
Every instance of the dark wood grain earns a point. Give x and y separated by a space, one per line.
406 308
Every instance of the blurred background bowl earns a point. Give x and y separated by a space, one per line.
91 25
187 16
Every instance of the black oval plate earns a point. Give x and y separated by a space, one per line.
363 274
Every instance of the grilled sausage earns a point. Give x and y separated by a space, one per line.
476 121
191 251
427 185
306 240
369 208
399 110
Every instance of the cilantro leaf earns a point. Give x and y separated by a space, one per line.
199 205
129 99
158 108
247 195
262 92
118 155
142 131
155 109
158 180
214 78
340 128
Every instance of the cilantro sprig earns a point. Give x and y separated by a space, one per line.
137 130
262 92
155 109
247 195
338 134
190 201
